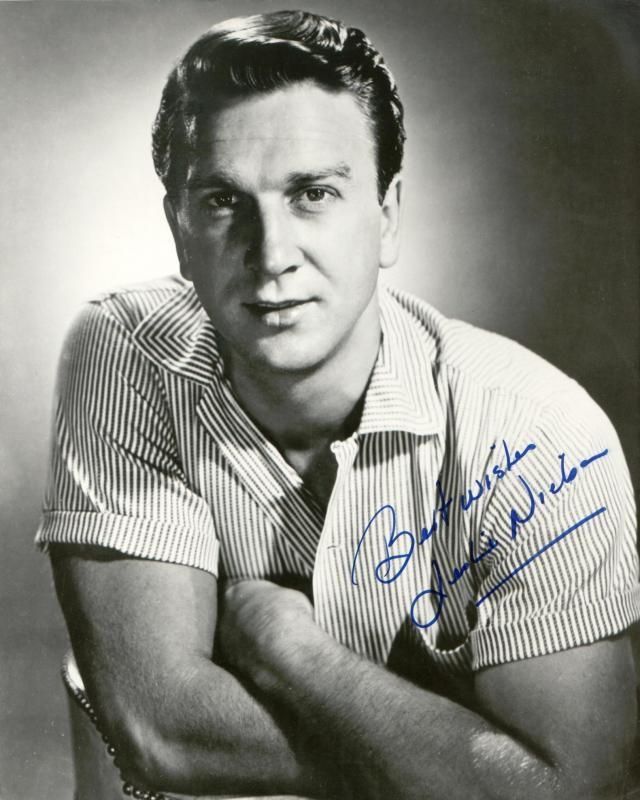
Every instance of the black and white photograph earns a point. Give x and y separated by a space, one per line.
320 433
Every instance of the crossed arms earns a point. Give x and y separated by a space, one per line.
295 712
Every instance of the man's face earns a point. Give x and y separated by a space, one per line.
280 229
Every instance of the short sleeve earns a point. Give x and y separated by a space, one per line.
115 476
564 568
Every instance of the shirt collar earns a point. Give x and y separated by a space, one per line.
401 394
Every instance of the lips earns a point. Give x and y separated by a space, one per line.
281 314
282 304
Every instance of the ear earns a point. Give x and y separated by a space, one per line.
390 224
172 214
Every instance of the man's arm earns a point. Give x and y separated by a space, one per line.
559 725
142 633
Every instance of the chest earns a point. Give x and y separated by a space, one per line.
318 470
331 526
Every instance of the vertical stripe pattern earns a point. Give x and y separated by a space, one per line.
463 517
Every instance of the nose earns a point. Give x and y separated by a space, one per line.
272 248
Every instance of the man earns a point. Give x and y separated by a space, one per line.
421 534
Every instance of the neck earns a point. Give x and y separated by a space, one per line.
303 411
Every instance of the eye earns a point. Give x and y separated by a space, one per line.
222 201
316 194
315 198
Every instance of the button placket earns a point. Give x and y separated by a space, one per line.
329 543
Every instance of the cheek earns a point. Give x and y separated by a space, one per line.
215 260
359 246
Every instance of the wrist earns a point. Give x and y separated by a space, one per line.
291 651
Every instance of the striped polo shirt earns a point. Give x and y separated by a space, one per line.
482 511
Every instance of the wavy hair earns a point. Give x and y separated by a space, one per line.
265 52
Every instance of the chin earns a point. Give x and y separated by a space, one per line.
274 357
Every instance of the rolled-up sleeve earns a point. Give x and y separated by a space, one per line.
115 476
564 571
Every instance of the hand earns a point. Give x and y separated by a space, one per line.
259 625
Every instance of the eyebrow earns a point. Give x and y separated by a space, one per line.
340 170
227 180
220 178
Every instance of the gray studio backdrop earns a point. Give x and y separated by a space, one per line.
521 201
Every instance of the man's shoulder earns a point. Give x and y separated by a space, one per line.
160 322
471 360
132 305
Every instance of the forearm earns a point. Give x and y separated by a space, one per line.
401 741
142 634
209 735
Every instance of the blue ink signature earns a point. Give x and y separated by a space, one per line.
473 494
566 478
441 595
391 567
468 498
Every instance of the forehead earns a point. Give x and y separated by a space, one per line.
301 128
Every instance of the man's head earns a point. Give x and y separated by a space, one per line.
279 139
264 52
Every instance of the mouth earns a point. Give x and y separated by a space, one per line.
265 306
282 314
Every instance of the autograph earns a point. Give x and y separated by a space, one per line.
469 497
404 542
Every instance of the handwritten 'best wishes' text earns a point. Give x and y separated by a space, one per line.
400 545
